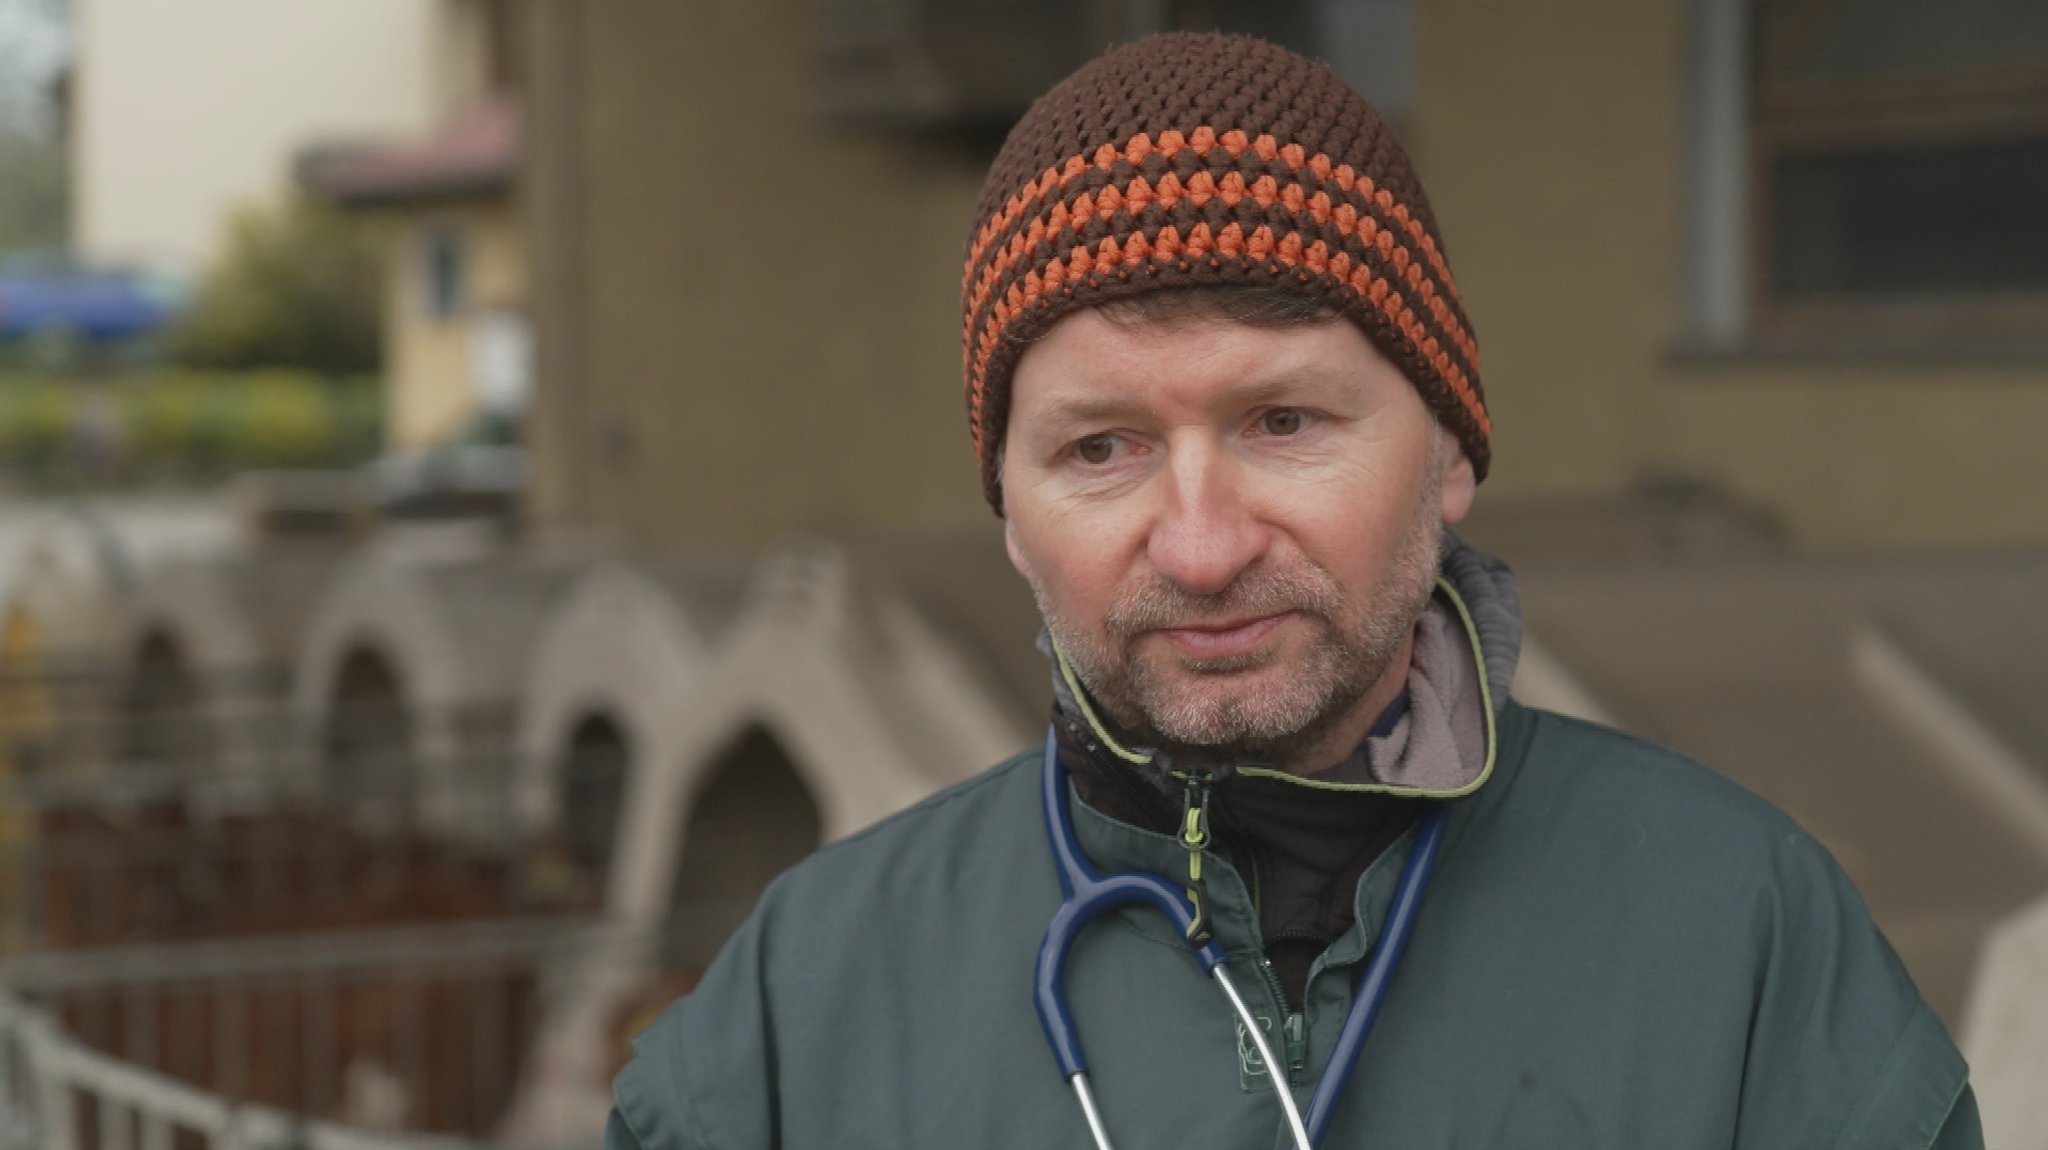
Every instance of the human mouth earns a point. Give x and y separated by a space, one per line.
1225 640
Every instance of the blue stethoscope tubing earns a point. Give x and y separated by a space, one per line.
1087 893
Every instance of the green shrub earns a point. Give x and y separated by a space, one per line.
198 425
37 418
297 285
284 420
358 406
163 413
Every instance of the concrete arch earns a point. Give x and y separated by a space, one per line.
875 706
230 623
64 598
628 645
366 748
70 575
596 761
202 609
161 723
68 591
867 667
752 819
454 634
2005 1032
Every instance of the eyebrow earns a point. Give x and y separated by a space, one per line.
1305 383
1089 409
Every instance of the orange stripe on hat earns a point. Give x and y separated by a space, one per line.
1288 252
1193 160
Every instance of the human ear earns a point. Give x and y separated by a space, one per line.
1459 482
1015 549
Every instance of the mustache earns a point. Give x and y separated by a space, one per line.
1158 604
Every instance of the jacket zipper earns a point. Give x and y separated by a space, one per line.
1199 820
1272 978
1290 1022
1194 838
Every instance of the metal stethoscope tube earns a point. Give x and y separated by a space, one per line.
1087 893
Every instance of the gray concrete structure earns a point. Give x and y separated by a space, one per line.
854 679
1885 704
65 589
2005 1036
411 664
609 687
207 643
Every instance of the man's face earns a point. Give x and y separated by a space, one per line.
1230 529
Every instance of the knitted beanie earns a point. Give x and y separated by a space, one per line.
1193 159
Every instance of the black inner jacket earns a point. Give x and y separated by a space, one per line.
1301 849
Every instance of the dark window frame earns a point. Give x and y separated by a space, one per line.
1788 117
445 270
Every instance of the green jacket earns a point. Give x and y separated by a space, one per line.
1620 949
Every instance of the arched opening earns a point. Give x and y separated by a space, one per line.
27 728
368 741
753 819
161 724
28 707
593 784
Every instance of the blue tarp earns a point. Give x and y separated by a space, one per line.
99 306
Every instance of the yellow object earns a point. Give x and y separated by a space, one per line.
27 718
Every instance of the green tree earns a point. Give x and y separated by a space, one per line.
32 199
297 285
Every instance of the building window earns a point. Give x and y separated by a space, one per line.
1368 42
978 64
1894 160
1926 219
443 270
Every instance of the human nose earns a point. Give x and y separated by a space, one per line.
1205 534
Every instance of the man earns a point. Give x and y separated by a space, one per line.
1227 399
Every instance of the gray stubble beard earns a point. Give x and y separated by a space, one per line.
1291 721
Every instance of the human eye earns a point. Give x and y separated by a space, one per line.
1096 450
1281 422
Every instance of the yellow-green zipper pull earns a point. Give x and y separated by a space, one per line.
1194 837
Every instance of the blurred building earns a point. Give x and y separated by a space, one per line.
457 342
1759 282
1786 252
1785 249
1759 285
180 114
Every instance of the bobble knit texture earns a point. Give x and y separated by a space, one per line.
1191 159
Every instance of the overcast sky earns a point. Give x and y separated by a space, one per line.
33 45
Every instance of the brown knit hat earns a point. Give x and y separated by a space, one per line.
1191 159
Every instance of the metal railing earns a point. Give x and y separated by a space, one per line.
259 855
112 847
398 1028
58 1094
77 721
203 947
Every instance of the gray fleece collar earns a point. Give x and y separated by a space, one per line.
1492 602
1495 601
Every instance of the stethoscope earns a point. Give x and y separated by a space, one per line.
1086 893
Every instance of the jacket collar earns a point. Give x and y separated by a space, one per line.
1475 589
1482 595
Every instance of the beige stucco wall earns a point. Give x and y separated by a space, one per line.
430 391
1554 141
765 336
186 111
768 336
1862 457
459 54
